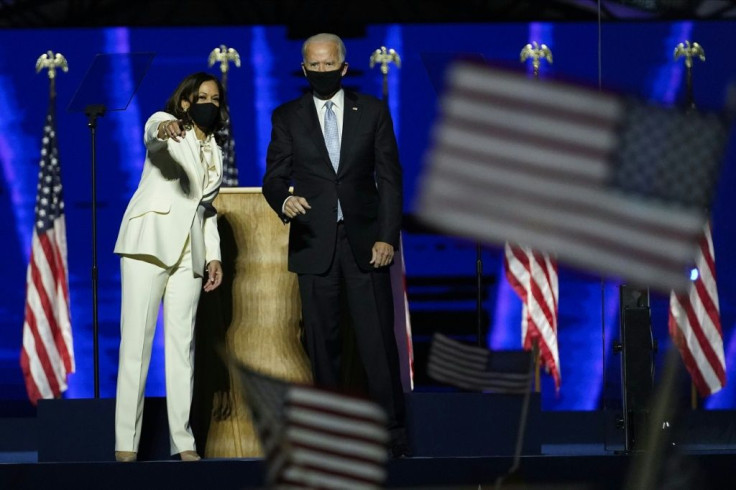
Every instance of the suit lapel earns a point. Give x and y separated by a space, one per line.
350 120
198 169
310 121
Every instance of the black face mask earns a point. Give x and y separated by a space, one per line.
204 115
325 83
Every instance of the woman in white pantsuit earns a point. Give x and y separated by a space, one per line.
168 237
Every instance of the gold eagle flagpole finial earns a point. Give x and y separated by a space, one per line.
224 55
52 61
689 51
385 57
536 53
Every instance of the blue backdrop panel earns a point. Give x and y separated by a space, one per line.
635 57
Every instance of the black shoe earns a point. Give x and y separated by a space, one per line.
400 450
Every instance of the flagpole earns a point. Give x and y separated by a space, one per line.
53 61
383 57
688 52
224 55
49 206
536 53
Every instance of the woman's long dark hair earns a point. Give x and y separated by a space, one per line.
187 90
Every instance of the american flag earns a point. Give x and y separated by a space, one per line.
602 182
533 276
313 438
47 356
227 145
402 320
695 323
478 369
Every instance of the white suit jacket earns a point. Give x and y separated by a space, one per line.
171 204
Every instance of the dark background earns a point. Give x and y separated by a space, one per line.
626 46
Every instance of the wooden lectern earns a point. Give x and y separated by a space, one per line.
253 318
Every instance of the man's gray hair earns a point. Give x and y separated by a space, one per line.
325 37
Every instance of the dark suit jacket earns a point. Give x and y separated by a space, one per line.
368 181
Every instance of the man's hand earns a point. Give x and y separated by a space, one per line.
382 254
295 205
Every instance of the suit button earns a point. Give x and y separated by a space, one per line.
337 182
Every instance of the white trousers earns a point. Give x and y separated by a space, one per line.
144 284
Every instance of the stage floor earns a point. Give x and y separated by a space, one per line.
701 471
459 441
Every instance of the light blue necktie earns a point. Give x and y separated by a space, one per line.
332 141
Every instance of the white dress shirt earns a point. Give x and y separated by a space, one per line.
338 108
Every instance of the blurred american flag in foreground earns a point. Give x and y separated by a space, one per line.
606 183
314 438
478 369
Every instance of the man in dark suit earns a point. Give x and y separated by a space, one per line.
339 151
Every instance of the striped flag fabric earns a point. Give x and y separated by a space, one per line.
695 323
47 356
533 276
314 438
479 369
604 183
227 145
402 320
